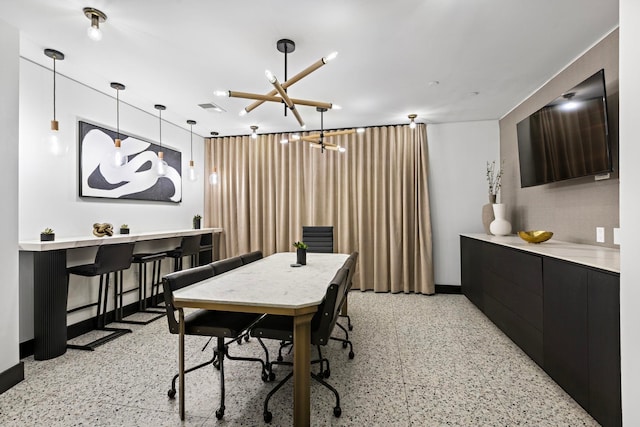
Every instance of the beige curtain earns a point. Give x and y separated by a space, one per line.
375 195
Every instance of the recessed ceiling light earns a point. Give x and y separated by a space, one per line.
433 83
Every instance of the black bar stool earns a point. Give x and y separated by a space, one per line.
142 259
189 246
109 259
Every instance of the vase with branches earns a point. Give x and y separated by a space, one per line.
494 179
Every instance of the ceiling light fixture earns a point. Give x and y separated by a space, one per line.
412 123
254 134
54 144
213 178
285 46
119 159
193 174
318 140
161 166
97 17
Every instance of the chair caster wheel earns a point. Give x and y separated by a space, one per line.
246 338
268 417
272 376
172 394
240 341
351 355
220 413
350 328
327 373
344 345
265 377
280 359
337 411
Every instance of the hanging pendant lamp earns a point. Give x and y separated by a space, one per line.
55 145
161 166
193 174
119 158
213 178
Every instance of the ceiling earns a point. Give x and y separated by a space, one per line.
487 55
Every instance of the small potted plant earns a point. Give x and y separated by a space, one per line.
196 221
47 235
301 252
124 229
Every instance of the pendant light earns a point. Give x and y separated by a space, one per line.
119 159
161 166
96 17
254 132
54 144
213 178
193 174
412 123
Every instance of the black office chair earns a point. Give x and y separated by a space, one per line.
350 265
251 257
189 246
218 324
224 265
109 259
318 238
281 328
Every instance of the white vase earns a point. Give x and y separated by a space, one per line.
500 226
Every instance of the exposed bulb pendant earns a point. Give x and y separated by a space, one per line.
213 177
254 134
161 165
119 158
54 144
193 174
96 17
412 123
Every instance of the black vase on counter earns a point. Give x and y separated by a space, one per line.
301 256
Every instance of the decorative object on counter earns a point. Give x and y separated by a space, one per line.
100 178
301 252
124 229
494 178
47 235
102 229
535 236
500 226
196 221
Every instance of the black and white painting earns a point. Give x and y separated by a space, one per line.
137 179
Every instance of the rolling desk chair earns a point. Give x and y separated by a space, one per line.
318 238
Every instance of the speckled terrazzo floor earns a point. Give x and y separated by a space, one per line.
420 361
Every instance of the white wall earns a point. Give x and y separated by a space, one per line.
630 210
49 194
458 155
9 48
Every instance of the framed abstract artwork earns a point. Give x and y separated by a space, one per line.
137 179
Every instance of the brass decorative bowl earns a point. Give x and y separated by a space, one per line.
536 236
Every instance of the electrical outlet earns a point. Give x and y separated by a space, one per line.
600 234
616 236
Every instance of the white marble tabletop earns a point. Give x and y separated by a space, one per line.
594 256
91 240
269 282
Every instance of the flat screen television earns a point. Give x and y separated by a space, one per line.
567 138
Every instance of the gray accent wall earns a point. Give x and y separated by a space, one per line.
571 209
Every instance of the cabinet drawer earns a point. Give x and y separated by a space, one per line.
519 268
524 304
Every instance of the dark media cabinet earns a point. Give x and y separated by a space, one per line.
563 313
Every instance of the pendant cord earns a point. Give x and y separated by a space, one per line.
191 142
54 88
160 122
118 112
285 76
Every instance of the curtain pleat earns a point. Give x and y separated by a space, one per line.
375 195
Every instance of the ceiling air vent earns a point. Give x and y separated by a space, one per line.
211 107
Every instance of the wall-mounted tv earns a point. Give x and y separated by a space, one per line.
567 138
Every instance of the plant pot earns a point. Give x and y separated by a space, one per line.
196 223
301 256
124 231
47 237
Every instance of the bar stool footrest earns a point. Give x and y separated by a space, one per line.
115 333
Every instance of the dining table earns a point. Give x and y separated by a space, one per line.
272 285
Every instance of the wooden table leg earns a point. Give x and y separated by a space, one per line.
301 370
181 362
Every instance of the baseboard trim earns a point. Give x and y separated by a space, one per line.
11 377
448 289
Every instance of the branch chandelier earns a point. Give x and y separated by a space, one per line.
318 140
279 93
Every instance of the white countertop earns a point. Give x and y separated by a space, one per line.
270 282
91 240
594 256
